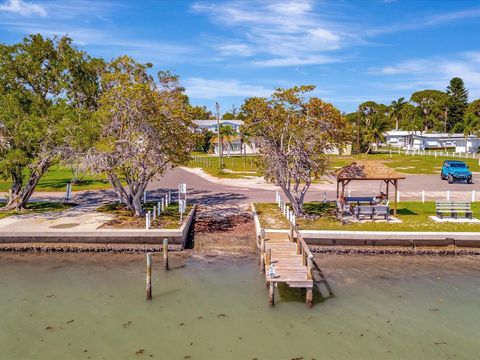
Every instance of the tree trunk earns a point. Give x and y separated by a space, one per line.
132 199
296 198
119 189
19 196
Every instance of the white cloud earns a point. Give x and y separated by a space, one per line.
415 22
279 33
294 60
406 67
235 49
434 72
201 88
23 8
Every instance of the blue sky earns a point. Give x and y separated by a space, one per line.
225 51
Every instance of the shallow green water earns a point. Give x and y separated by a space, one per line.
76 307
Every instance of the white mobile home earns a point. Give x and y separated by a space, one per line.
424 141
212 124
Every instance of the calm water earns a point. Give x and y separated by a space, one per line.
76 307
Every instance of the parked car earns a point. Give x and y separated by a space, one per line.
453 170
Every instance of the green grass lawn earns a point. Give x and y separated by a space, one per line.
169 218
57 177
415 217
36 208
235 167
404 164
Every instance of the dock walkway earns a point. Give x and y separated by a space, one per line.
286 258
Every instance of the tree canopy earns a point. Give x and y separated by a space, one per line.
145 128
294 135
47 91
457 102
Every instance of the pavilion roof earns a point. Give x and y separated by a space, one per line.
367 170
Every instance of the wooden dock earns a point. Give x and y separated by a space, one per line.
286 258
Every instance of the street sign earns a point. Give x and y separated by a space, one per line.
182 188
182 205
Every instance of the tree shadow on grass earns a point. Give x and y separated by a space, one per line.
62 183
405 211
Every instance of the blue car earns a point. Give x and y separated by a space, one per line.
453 170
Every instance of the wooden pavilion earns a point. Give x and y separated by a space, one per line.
368 170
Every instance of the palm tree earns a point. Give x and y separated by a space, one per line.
227 133
244 138
396 112
374 130
470 125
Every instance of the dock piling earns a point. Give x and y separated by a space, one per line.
309 297
271 294
149 277
165 254
262 254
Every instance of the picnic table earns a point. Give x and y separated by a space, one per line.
359 199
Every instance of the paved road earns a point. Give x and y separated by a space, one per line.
201 190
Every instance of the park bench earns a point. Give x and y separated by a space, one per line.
364 211
381 210
453 208
359 199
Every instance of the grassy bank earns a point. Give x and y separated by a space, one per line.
405 164
414 216
57 177
36 208
124 219
236 167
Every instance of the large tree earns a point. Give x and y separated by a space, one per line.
145 128
474 107
457 102
295 136
47 90
433 105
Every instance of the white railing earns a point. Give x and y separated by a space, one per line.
285 209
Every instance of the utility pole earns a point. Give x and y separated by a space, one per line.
220 150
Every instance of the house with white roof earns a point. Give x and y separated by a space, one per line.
212 124
416 140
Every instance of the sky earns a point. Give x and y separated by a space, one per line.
226 51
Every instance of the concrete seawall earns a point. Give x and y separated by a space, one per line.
103 236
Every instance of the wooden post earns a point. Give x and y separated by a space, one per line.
271 294
262 253
165 254
309 268
291 231
309 297
395 206
149 277
268 257
147 220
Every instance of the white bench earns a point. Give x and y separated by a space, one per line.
453 208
